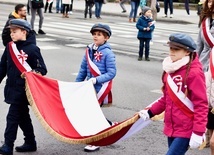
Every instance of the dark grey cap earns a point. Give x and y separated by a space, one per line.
21 23
180 40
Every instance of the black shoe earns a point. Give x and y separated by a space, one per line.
139 59
41 32
50 12
147 59
6 150
123 11
26 148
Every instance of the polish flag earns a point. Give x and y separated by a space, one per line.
71 113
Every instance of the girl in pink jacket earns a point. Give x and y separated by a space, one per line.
184 97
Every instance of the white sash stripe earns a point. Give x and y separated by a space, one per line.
16 52
180 94
207 28
93 65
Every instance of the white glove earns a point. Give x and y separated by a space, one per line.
93 80
195 141
144 114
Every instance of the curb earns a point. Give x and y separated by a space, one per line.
168 20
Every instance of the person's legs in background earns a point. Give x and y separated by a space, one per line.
96 9
141 47
135 11
28 8
90 10
171 8
46 6
187 6
71 7
41 19
33 16
132 11
86 9
165 7
99 9
147 48
123 6
50 7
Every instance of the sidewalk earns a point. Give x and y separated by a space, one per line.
180 15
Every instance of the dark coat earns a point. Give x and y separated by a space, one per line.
6 31
14 91
144 22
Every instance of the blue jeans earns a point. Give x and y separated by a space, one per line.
177 146
58 5
141 47
98 6
134 8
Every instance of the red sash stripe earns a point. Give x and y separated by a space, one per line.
15 60
178 102
207 35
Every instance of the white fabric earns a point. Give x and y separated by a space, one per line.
93 80
66 1
171 67
144 115
195 141
75 106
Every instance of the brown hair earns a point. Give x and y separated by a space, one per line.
206 12
104 33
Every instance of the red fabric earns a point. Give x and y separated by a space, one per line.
49 104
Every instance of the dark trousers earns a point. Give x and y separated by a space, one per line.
166 4
18 116
71 6
65 8
144 41
187 6
88 8
50 7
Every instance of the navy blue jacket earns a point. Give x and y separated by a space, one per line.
144 22
14 91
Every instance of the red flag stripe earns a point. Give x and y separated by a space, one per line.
50 99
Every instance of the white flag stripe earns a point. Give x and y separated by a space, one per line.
82 108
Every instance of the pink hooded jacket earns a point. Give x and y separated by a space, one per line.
176 123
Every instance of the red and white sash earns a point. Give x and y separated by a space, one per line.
212 62
19 58
179 98
104 95
206 32
210 41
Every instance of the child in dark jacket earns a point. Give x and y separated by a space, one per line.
184 97
20 55
145 26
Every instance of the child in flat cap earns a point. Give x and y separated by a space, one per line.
184 97
99 66
145 26
19 54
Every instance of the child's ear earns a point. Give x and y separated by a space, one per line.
188 53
